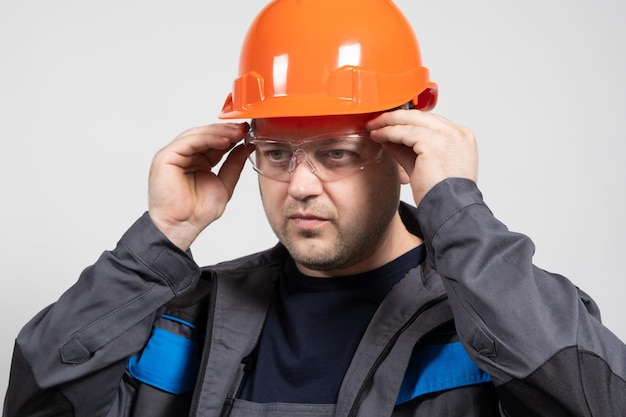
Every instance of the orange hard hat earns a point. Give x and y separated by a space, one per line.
328 57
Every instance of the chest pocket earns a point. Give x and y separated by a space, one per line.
436 368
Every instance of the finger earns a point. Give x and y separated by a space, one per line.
208 142
224 129
406 117
205 138
403 155
410 136
230 170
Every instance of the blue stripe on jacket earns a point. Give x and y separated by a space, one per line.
437 368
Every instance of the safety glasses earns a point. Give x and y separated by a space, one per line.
330 156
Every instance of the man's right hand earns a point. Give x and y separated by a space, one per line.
185 195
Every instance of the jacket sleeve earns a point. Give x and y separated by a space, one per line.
71 358
535 333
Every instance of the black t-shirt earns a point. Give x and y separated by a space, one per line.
313 329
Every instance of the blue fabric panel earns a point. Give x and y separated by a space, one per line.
437 368
169 362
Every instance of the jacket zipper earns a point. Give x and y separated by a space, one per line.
370 375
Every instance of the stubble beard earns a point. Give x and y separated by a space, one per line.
339 248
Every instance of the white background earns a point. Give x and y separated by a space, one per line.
90 90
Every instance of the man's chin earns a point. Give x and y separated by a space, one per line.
313 255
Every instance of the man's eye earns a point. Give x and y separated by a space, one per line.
277 155
338 154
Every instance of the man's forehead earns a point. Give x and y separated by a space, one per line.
310 126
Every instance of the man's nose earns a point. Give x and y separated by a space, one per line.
303 181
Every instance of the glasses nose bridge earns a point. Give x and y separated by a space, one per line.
299 154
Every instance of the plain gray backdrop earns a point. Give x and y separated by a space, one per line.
90 90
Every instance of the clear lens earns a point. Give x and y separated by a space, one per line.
330 157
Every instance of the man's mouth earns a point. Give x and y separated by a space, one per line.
306 221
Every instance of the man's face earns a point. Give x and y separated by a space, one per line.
330 227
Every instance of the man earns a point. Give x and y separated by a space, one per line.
367 306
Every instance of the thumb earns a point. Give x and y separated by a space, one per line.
402 154
231 169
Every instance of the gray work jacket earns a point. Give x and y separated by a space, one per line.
535 334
